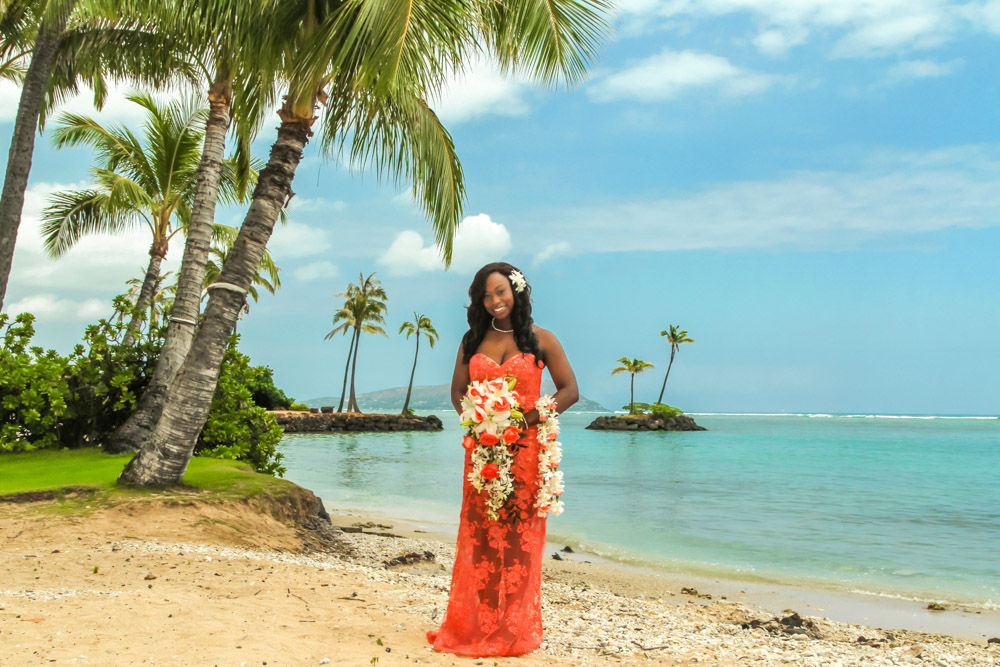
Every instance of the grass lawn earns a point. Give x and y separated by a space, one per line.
51 470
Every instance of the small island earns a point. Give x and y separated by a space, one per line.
297 421
644 422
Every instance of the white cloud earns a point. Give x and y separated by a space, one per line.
295 239
99 262
671 73
50 307
315 205
10 97
315 271
922 69
479 241
481 91
894 195
776 43
558 249
861 27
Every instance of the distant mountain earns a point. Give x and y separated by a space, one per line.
437 397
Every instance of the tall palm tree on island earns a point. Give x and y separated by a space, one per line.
675 336
421 324
148 182
373 65
363 312
631 366
345 317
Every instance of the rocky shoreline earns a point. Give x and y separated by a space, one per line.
644 423
347 422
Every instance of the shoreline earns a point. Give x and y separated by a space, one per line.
856 607
189 580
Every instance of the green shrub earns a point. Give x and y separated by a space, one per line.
300 407
640 408
33 389
238 428
664 410
260 381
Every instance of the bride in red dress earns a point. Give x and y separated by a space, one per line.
494 607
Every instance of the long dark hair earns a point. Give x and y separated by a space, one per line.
479 319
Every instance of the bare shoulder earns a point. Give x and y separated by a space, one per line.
546 339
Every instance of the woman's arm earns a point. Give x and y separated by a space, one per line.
459 381
562 374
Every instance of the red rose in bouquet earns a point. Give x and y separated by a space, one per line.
489 439
511 435
490 470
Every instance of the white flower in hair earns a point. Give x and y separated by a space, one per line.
518 281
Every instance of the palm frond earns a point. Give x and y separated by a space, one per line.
74 214
401 138
550 40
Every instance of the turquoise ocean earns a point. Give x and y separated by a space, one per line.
897 506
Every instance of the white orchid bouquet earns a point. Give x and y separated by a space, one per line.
550 478
489 410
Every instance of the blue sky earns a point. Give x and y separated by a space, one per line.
811 189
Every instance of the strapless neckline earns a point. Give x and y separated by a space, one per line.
501 365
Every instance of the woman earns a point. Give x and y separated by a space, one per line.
495 603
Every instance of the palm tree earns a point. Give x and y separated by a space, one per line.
70 42
150 182
367 304
675 337
238 71
631 366
373 65
345 316
421 324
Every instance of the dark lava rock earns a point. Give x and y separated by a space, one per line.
792 624
556 556
411 558
328 421
937 606
567 549
644 423
993 640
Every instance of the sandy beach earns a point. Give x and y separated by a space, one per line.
189 582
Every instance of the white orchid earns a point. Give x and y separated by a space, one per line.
518 281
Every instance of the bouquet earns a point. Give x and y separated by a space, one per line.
490 409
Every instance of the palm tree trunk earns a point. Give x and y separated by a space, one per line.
631 395
165 456
347 367
22 143
409 388
672 352
131 435
156 254
352 405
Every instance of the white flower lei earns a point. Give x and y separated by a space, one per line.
518 281
550 478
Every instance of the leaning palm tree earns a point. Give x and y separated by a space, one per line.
675 336
631 366
148 182
374 64
223 37
71 42
421 324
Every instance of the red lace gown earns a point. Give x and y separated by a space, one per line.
495 603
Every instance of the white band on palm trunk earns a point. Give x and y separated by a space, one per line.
227 286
